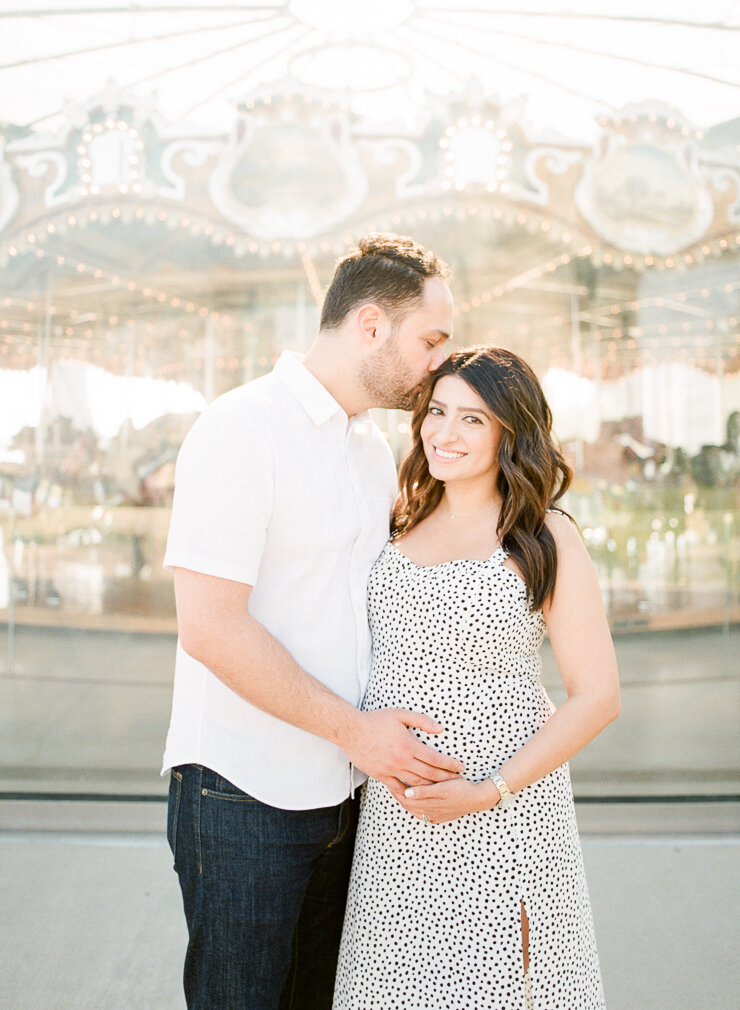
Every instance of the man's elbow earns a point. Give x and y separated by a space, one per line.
212 616
195 639
209 638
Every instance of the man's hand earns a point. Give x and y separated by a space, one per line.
446 801
379 743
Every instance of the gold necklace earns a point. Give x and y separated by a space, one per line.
472 515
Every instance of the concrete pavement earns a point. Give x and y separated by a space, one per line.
93 921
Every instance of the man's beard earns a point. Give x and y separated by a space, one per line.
385 378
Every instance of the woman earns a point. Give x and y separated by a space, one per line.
471 893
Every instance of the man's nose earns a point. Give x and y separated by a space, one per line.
437 358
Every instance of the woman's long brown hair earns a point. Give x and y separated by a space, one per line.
532 474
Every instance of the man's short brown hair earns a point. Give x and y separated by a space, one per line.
389 270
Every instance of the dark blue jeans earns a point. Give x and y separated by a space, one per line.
264 892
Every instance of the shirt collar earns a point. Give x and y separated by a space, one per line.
314 397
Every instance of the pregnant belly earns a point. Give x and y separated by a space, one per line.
486 717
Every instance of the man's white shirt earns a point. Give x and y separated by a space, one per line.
277 488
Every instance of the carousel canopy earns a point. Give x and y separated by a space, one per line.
389 60
176 180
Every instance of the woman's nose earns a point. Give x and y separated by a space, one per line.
446 432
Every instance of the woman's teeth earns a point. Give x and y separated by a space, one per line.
444 454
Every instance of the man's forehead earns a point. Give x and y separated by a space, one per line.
435 288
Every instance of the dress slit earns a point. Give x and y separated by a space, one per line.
526 962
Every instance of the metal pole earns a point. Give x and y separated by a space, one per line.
209 363
575 344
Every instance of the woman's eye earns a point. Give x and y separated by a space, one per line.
475 420
436 411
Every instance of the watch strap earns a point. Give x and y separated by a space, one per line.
507 797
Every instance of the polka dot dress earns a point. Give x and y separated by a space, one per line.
433 913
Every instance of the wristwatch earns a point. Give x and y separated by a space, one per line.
507 797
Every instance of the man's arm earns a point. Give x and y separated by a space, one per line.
216 628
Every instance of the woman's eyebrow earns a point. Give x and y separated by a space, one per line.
462 410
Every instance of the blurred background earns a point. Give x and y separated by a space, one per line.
176 182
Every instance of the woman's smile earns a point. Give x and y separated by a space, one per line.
447 455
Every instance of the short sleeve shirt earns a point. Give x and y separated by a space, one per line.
277 488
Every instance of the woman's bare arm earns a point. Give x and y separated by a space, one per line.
584 652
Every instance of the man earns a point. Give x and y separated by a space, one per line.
283 491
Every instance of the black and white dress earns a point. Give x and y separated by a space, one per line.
434 910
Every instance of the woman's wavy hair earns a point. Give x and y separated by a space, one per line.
532 476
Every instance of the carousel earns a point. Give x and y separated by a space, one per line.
150 263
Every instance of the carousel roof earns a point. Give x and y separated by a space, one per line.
388 60
175 167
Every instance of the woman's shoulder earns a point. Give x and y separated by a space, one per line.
564 530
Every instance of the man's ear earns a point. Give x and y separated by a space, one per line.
371 323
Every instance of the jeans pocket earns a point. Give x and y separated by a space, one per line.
220 788
173 810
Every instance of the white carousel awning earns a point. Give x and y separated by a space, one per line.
571 62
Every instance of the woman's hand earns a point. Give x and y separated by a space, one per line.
446 801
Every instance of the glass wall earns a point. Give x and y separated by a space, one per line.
125 312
